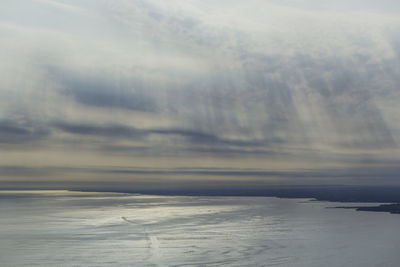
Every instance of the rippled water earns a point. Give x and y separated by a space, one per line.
66 229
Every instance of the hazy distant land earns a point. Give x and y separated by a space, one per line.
392 208
345 194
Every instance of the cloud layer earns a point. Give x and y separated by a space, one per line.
281 86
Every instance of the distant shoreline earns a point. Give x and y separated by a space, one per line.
391 208
344 194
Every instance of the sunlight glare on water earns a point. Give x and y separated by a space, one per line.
135 230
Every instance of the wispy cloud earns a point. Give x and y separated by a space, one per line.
282 83
21 132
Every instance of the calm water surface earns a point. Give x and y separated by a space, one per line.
75 229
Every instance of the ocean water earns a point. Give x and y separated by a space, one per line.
98 229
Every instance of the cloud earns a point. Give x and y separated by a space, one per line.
197 149
103 90
13 132
116 131
248 174
273 82
23 171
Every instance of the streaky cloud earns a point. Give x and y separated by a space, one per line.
103 90
14 132
123 131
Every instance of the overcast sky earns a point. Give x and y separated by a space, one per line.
192 93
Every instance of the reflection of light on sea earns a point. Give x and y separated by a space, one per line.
128 230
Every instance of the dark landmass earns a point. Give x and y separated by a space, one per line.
391 208
334 193
365 194
368 194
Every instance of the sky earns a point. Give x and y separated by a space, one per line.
138 94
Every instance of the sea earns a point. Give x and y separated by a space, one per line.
65 228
